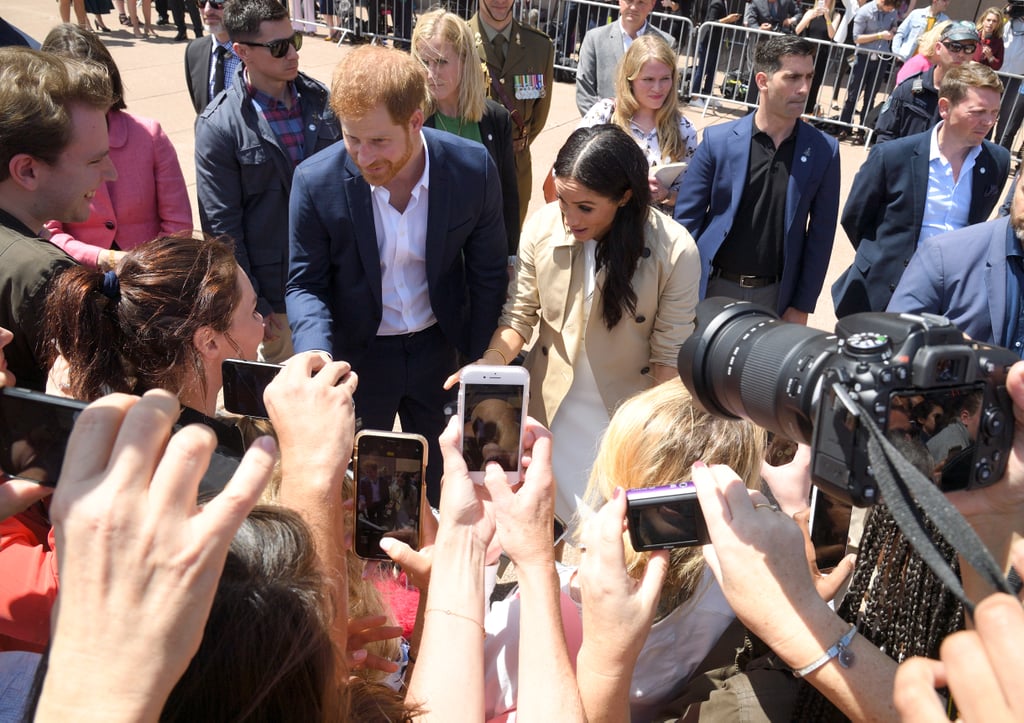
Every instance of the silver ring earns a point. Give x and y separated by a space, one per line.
765 506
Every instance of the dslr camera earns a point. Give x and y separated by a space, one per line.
742 361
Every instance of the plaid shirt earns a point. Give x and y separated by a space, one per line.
284 121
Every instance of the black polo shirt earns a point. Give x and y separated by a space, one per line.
754 245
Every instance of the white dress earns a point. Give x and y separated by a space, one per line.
582 417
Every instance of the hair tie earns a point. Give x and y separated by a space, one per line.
111 287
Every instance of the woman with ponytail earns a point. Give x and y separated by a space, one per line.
610 286
165 318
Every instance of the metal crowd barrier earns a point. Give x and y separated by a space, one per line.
1011 113
373 21
575 17
850 83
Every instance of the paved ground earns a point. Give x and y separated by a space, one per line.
154 79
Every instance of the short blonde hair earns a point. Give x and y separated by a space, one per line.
441 25
653 439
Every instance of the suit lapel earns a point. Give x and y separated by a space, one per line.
360 203
984 184
919 179
438 201
800 173
739 154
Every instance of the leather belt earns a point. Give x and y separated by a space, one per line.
746 281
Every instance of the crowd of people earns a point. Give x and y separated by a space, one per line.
372 238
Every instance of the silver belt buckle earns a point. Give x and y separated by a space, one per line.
747 281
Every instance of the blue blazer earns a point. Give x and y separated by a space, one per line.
885 210
334 292
962 276
713 186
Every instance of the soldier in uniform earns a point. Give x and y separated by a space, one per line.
520 61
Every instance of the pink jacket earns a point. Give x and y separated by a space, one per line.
148 198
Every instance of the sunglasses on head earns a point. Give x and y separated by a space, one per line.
214 4
952 47
278 48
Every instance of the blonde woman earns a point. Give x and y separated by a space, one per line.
446 46
646 106
653 439
990 35
925 56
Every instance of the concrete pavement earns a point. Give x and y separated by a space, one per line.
154 80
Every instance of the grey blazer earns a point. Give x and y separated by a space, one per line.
599 60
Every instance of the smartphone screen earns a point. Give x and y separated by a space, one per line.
493 422
830 526
244 382
34 432
389 490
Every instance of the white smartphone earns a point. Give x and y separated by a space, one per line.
493 402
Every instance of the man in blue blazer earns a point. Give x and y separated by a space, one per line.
603 48
973 276
761 195
398 248
920 186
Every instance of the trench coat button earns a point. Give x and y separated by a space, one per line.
645 370
109 225
544 350
641 319
892 287
646 253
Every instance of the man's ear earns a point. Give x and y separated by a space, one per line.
25 170
761 80
207 342
416 120
944 107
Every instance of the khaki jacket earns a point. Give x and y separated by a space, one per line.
548 291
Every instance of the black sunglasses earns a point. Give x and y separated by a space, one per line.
952 47
277 48
214 4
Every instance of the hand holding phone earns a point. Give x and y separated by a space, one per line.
524 518
492 410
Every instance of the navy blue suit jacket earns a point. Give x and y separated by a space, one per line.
713 187
962 276
334 292
885 210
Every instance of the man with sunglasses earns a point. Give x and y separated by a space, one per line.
210 61
249 140
917 187
913 106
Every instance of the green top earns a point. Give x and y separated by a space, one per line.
458 126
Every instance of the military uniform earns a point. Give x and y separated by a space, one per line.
526 78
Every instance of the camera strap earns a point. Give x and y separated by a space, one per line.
917 499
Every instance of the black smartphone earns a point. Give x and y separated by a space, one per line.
244 382
830 526
389 469
661 518
34 432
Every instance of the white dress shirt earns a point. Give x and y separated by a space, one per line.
402 243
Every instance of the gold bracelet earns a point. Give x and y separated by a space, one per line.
458 615
498 352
